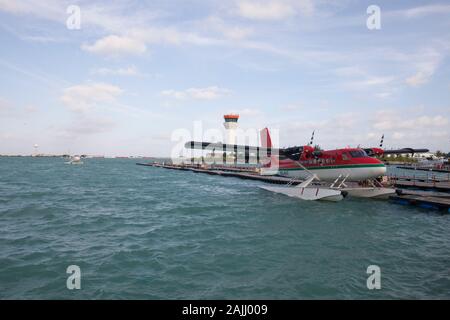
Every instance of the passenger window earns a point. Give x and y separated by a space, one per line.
358 154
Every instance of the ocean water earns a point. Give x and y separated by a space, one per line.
149 233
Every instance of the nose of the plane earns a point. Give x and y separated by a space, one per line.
380 169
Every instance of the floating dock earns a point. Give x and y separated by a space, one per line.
419 178
441 186
229 172
443 170
437 203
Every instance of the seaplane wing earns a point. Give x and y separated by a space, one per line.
405 150
379 152
293 153
217 146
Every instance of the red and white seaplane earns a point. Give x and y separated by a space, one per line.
326 174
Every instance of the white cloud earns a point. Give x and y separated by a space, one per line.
209 93
369 82
114 45
383 95
43 39
398 135
81 98
4 104
375 81
292 107
350 71
426 10
247 112
127 71
12 110
418 79
359 78
88 125
171 36
133 33
6 109
426 65
229 31
36 7
174 94
390 120
137 39
273 9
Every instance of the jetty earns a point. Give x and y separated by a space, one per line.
241 173
431 185
429 169
423 201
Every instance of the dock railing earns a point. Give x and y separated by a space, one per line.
423 176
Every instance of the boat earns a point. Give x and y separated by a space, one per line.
75 160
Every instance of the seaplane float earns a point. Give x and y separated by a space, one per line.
325 174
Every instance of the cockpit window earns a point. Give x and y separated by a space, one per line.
358 154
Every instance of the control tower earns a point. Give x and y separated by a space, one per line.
231 124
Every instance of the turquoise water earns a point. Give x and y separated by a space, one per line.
149 233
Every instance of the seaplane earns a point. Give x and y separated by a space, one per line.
76 160
326 174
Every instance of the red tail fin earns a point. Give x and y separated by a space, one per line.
266 142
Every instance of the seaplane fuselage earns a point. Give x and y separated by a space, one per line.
328 165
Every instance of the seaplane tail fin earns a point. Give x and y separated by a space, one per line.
271 163
266 141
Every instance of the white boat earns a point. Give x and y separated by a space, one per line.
75 160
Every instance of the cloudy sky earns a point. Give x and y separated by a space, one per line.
136 71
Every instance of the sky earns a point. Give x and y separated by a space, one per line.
132 73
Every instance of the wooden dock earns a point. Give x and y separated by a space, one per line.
441 186
419 178
248 175
423 193
443 170
438 203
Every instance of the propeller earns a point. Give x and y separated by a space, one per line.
293 153
382 140
312 138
